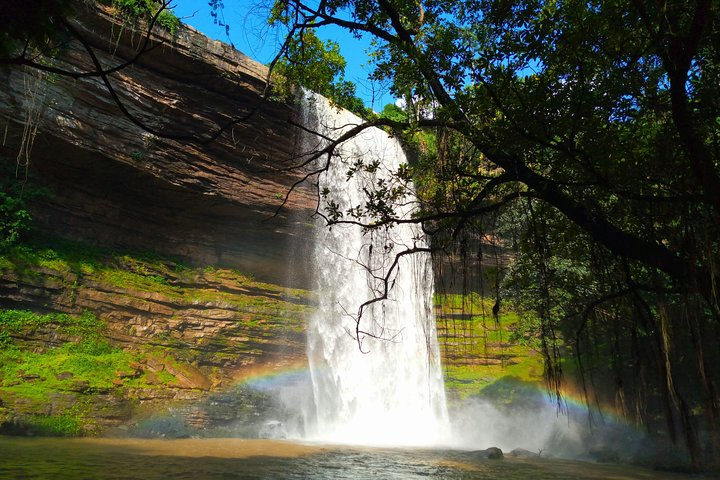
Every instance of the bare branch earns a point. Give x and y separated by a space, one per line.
384 292
145 48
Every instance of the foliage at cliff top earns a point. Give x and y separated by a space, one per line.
318 66
41 24
148 10
30 23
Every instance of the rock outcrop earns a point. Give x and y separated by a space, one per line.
114 184
191 335
217 317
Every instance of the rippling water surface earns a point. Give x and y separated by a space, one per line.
51 458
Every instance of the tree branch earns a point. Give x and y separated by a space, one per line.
22 60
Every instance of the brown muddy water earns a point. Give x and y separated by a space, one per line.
199 459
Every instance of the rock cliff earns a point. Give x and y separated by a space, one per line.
184 327
114 184
180 331
105 340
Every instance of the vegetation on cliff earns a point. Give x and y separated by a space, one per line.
90 338
78 364
41 25
15 218
151 11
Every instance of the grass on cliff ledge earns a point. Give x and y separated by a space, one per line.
477 351
67 265
146 272
261 308
83 361
76 260
53 384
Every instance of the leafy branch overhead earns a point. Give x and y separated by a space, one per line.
536 110
587 134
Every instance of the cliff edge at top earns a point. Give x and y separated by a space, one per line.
111 183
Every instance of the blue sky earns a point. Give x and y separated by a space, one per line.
251 35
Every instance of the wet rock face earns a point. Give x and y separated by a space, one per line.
492 453
211 319
238 412
114 184
109 183
193 335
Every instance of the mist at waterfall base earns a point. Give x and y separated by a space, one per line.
385 387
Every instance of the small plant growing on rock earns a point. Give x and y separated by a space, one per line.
146 10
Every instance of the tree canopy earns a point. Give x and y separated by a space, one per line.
587 134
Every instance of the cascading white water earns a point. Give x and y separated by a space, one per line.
383 386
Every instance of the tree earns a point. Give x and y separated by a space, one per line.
317 66
29 23
594 126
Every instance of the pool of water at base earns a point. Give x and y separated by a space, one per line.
200 459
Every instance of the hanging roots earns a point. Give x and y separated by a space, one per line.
35 91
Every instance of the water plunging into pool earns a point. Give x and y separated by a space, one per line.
378 382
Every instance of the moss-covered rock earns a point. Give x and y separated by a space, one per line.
97 337
476 347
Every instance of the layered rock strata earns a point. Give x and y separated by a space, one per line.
193 333
113 184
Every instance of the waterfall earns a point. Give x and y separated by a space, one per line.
383 386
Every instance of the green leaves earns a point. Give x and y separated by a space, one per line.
315 65
147 9
15 191
14 220
31 23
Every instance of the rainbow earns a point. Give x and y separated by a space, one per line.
271 376
573 402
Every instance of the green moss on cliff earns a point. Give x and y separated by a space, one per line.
476 349
50 385
25 321
65 425
84 361
153 326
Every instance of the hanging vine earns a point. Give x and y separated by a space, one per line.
35 87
